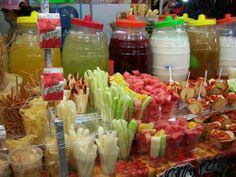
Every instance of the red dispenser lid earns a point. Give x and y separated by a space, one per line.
87 22
228 19
130 22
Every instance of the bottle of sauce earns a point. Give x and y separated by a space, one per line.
26 57
204 47
130 46
227 31
85 47
170 48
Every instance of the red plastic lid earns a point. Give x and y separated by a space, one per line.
130 22
228 19
87 22
163 17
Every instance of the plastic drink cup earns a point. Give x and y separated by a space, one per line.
125 150
85 167
143 142
167 109
26 162
4 165
52 161
173 142
155 162
152 113
108 161
190 140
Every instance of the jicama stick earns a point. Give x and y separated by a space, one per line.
66 111
108 150
84 151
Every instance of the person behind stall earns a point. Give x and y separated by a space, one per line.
11 11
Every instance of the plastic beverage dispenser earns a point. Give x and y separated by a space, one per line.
85 47
204 47
26 57
170 48
130 46
227 31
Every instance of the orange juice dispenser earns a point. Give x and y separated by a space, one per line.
26 57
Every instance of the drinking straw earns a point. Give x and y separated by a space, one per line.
187 83
205 78
199 93
170 72
220 73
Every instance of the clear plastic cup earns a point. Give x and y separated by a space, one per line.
85 167
143 142
124 144
173 145
35 119
4 165
52 161
167 109
107 162
191 139
26 162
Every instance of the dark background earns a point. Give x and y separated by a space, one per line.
211 8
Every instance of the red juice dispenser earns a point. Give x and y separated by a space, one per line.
130 46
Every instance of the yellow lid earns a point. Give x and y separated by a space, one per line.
184 17
202 21
33 18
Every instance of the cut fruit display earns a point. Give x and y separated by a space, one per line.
163 97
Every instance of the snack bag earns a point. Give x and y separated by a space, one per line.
49 26
52 84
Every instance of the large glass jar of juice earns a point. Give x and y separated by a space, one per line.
170 48
26 57
85 47
204 47
130 46
227 31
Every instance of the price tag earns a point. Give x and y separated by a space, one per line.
185 170
212 165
